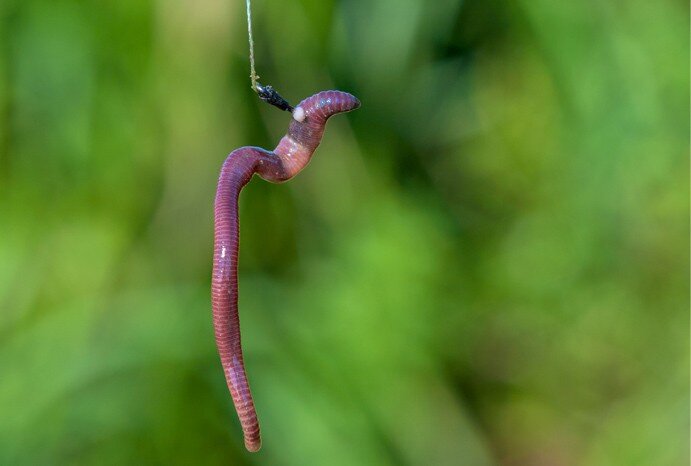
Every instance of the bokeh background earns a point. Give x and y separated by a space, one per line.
487 264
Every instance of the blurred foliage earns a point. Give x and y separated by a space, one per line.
486 264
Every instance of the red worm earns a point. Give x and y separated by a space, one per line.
291 155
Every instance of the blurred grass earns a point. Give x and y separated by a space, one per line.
485 264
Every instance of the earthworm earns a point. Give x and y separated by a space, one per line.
291 155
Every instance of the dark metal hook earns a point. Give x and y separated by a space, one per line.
269 95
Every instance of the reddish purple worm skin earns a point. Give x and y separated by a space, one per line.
291 155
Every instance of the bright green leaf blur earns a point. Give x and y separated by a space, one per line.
486 264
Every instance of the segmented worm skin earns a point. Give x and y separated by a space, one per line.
291 155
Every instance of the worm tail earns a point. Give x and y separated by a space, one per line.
235 174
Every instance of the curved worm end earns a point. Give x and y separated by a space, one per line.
324 105
309 119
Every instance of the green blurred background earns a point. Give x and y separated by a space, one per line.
486 264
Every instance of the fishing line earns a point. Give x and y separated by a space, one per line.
267 93
253 72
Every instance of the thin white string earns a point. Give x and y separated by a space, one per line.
253 73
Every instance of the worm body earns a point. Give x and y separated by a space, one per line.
291 155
